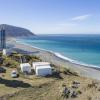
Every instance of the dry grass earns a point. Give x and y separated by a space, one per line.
48 88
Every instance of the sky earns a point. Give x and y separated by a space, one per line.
52 16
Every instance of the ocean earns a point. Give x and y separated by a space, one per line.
83 49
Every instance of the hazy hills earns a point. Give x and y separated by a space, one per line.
13 31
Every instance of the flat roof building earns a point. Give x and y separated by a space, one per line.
25 67
42 68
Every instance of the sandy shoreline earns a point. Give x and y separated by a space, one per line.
83 70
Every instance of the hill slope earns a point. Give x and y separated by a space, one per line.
13 31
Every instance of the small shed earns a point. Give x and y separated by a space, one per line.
25 67
42 68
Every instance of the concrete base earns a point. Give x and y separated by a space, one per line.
4 52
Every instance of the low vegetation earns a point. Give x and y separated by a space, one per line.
63 84
13 60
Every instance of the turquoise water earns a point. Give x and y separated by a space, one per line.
82 48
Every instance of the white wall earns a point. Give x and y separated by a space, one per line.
43 71
26 69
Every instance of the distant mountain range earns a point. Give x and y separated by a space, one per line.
13 31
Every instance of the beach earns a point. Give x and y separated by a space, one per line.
56 59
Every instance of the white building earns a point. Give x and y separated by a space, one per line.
25 67
42 68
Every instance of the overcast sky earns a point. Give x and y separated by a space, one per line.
52 16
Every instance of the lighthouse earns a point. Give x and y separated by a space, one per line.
3 41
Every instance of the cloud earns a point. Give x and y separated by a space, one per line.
81 18
54 28
61 28
73 25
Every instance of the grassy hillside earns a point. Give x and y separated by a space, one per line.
33 87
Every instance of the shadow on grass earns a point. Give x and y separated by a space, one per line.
25 51
14 83
55 75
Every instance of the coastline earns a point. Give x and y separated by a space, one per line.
62 56
59 60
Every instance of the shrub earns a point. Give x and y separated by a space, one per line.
79 92
10 63
93 84
68 71
89 98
